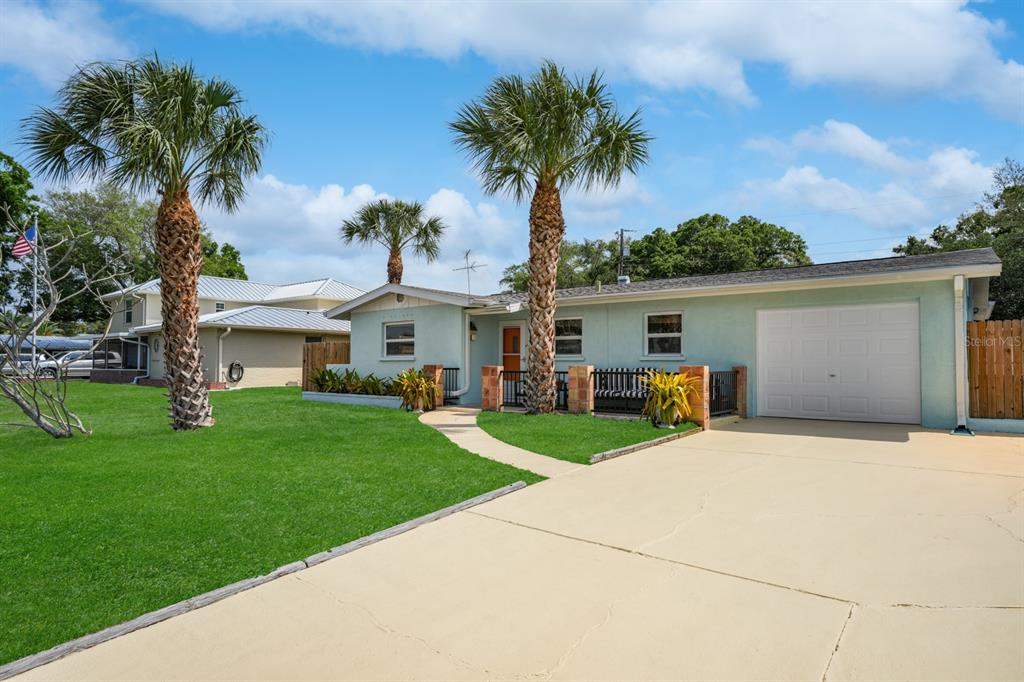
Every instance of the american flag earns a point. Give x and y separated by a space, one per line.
23 246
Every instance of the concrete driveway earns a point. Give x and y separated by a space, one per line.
767 550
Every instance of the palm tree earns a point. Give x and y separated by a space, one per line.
155 127
396 225
540 136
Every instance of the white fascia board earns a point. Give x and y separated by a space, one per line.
991 270
342 311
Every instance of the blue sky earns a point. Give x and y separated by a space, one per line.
852 123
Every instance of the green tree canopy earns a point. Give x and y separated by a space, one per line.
16 194
997 222
121 226
705 245
223 260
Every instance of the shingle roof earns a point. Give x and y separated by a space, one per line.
875 266
244 291
268 317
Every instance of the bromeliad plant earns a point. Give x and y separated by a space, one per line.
668 397
330 381
418 391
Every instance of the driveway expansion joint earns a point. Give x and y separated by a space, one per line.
839 640
674 562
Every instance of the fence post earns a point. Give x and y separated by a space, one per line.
436 372
701 405
741 390
490 388
581 389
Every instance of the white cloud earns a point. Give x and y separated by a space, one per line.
49 42
289 232
891 206
953 172
945 181
849 140
601 207
894 48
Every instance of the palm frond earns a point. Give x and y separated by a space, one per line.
149 126
548 129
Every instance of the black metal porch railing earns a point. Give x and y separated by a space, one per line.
619 390
450 384
513 389
722 392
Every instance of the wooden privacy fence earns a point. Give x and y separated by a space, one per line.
995 361
319 355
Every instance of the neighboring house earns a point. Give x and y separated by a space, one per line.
872 340
262 327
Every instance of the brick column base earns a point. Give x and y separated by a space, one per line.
490 388
741 390
700 404
581 389
436 372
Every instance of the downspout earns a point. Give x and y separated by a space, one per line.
465 358
960 356
220 352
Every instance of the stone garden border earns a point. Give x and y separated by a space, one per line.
619 452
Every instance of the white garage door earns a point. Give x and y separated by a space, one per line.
857 363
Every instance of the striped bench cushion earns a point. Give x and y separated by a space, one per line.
620 382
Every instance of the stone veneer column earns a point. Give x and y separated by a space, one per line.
490 388
581 389
701 403
436 372
741 390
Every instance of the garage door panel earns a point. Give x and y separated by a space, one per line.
814 404
814 319
853 318
848 362
814 349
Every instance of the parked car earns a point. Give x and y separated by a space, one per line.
78 363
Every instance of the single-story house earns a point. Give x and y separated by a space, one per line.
878 340
256 327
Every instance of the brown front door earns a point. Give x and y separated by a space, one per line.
511 348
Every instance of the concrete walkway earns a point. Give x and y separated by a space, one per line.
766 550
459 424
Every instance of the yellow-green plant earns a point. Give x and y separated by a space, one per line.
418 391
668 396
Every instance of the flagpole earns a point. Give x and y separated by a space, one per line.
35 283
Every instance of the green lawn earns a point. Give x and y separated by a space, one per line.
97 530
569 436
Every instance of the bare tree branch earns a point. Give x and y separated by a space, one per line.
42 397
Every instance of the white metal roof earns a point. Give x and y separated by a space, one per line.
269 318
244 291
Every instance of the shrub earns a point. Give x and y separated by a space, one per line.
668 397
326 381
418 391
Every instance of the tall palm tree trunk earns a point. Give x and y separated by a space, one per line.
395 266
546 229
179 251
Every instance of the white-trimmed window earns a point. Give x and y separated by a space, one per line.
129 309
663 333
399 339
569 336
314 339
218 307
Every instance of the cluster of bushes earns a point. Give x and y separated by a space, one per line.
416 389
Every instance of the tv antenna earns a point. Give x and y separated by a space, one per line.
623 251
469 268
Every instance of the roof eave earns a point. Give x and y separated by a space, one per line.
342 312
922 275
